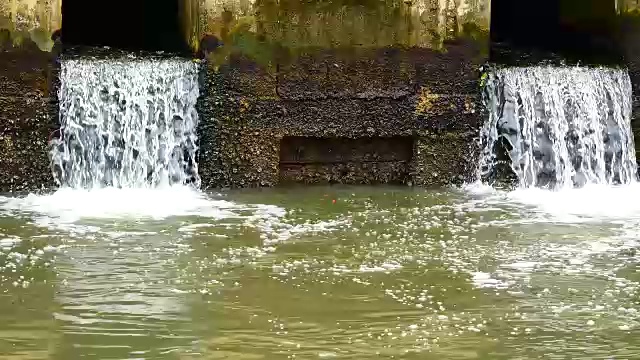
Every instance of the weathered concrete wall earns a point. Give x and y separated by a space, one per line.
38 19
26 111
35 20
190 14
416 92
327 69
27 98
337 23
341 69
626 6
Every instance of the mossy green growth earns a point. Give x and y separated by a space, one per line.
18 39
475 31
483 79
237 38
272 31
631 13
479 34
5 38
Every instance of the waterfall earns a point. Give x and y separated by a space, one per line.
559 127
126 123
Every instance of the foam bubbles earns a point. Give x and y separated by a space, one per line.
591 203
69 205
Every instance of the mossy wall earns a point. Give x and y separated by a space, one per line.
27 117
261 27
191 23
624 6
34 20
420 93
353 69
37 20
425 23
321 68
27 99
290 23
342 68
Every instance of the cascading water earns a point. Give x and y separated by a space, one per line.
564 127
127 123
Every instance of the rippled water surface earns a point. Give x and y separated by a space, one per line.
323 272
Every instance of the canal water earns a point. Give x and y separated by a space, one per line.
321 272
129 260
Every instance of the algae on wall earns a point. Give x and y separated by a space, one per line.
291 23
31 19
623 6
190 22
347 23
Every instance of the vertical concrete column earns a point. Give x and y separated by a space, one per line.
191 22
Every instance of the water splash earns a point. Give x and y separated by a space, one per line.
564 126
127 151
127 123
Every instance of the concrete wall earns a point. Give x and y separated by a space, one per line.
340 69
627 5
26 117
423 23
418 93
27 99
347 69
374 70
35 20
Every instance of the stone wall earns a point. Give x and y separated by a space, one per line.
22 21
341 70
338 23
420 93
345 70
27 96
26 114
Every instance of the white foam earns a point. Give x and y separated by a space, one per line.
591 203
386 267
597 202
485 280
83 212
587 234
70 205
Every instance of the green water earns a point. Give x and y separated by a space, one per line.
378 273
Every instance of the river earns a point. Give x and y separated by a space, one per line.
321 272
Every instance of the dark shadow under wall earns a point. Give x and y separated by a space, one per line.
364 160
149 25
571 31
